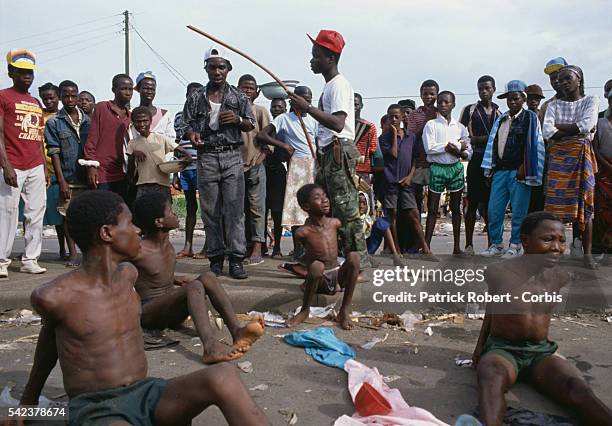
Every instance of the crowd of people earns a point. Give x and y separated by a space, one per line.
93 171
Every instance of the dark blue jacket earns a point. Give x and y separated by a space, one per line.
62 139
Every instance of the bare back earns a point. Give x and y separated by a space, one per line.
519 320
155 269
97 329
320 242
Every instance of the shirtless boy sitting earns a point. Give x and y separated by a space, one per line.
514 341
168 300
319 235
91 323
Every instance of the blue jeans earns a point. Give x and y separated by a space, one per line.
505 188
221 186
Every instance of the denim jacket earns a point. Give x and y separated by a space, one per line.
196 116
62 138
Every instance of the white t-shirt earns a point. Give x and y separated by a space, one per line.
337 96
289 130
214 115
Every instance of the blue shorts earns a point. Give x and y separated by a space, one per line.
377 235
189 180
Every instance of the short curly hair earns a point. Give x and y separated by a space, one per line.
147 208
533 220
303 194
89 212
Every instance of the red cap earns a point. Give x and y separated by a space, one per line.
329 39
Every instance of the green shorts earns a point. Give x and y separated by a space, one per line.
446 177
134 404
521 355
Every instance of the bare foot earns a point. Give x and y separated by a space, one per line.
248 334
299 318
184 253
215 351
344 320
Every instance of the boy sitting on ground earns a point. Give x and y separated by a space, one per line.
167 300
514 341
146 151
91 323
319 236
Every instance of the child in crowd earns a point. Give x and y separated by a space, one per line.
514 161
446 142
397 146
146 151
167 300
91 323
319 236
376 230
514 340
65 136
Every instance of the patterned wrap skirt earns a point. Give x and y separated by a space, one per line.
570 181
301 172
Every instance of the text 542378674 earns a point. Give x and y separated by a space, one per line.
37 413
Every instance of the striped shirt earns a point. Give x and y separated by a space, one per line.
366 131
178 120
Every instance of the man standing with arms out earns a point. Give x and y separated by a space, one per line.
108 137
22 162
478 118
337 152
187 181
213 119
253 156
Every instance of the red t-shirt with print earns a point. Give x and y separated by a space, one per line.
23 128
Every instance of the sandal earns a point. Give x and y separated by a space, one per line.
154 339
181 254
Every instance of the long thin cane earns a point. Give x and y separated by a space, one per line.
266 70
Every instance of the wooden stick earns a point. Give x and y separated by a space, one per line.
266 70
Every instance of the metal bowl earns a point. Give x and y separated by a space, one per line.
273 90
173 166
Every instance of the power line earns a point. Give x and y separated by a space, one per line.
175 73
114 36
65 28
72 36
78 42
456 94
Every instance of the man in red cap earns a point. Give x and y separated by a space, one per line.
337 156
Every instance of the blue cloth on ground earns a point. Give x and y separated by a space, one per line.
323 345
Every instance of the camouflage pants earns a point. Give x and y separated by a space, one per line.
335 174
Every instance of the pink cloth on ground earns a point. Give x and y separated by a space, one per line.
401 413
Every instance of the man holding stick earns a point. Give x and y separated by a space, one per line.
213 119
337 156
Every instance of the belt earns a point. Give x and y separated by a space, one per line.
219 148
330 145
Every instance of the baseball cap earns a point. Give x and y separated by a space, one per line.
145 74
329 39
216 52
23 59
534 89
513 86
555 64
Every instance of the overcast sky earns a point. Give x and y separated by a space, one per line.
391 45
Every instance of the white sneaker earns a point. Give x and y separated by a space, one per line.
493 250
513 251
576 248
3 272
32 267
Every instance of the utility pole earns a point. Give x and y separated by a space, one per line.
126 21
